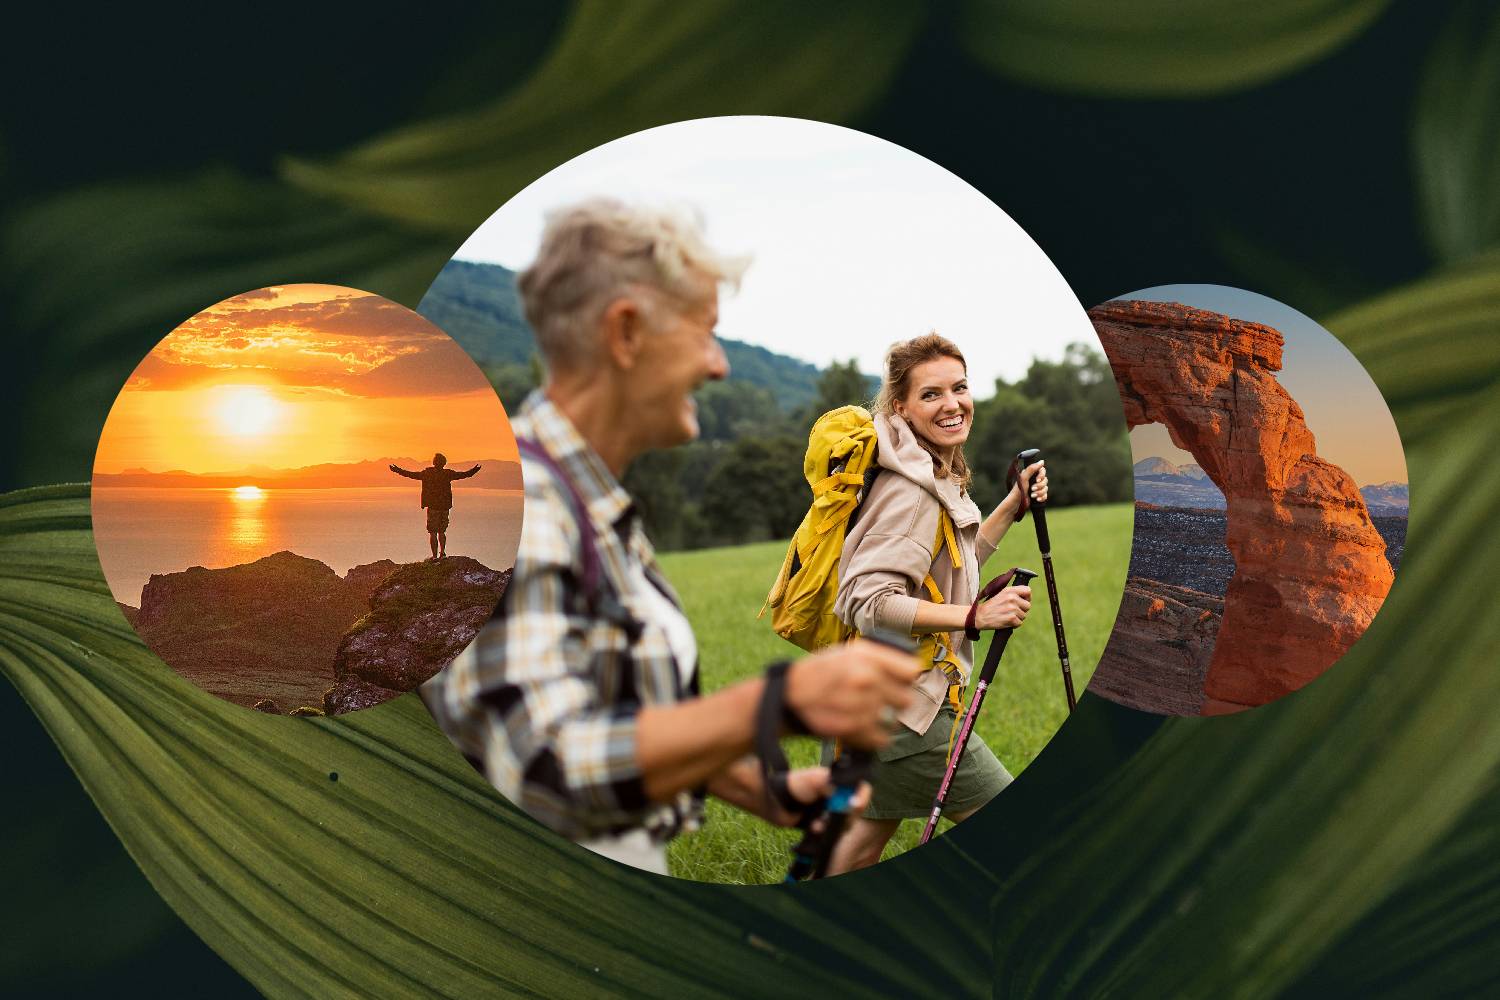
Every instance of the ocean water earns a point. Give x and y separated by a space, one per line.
144 530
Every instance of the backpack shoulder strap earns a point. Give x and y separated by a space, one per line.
945 537
592 574
871 474
598 591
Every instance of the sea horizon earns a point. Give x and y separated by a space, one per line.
144 531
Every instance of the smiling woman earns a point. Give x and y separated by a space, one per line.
857 244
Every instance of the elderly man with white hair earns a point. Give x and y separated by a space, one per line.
581 699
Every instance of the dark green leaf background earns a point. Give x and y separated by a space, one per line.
1339 156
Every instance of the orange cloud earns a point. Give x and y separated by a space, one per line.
347 376
312 337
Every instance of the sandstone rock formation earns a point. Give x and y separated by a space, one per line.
1310 567
1158 653
420 618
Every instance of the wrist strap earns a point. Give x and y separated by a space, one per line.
776 689
1013 478
770 718
989 590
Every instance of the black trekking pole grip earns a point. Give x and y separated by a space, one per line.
1001 638
1043 540
1038 508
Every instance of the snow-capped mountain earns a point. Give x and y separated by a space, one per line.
1160 482
1157 466
1386 498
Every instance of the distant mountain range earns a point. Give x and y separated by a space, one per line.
1160 482
1386 498
477 305
493 474
1149 467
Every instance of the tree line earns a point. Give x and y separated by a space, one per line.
741 481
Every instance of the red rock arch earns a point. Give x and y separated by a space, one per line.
1310 568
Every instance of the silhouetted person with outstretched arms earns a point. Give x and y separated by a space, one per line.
437 497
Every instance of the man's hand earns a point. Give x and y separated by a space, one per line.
851 692
393 468
1006 609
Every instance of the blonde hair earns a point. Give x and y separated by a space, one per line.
895 383
597 250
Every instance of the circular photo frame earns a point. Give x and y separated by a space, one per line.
307 499
726 341
1263 550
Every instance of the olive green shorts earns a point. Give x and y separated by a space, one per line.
909 770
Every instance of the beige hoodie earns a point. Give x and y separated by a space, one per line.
888 552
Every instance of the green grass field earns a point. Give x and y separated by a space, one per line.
723 590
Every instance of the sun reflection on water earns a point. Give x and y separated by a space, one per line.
247 526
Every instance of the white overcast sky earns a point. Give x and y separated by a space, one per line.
856 242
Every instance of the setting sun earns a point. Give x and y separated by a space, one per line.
247 410
295 377
248 492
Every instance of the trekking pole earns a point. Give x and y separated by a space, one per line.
822 827
1044 542
823 821
1015 577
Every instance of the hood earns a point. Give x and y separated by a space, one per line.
900 453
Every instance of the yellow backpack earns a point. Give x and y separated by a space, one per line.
840 467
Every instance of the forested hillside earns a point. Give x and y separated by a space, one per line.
741 481
477 305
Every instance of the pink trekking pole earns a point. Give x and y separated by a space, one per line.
1015 577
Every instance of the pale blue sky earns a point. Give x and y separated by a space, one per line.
857 242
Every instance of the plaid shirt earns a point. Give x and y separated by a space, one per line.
547 695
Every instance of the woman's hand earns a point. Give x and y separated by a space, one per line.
743 784
1006 609
807 785
1034 477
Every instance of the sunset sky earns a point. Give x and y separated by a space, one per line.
300 375
1340 402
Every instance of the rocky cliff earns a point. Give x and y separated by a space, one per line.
272 634
421 617
361 581
1310 567
1158 653
265 629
